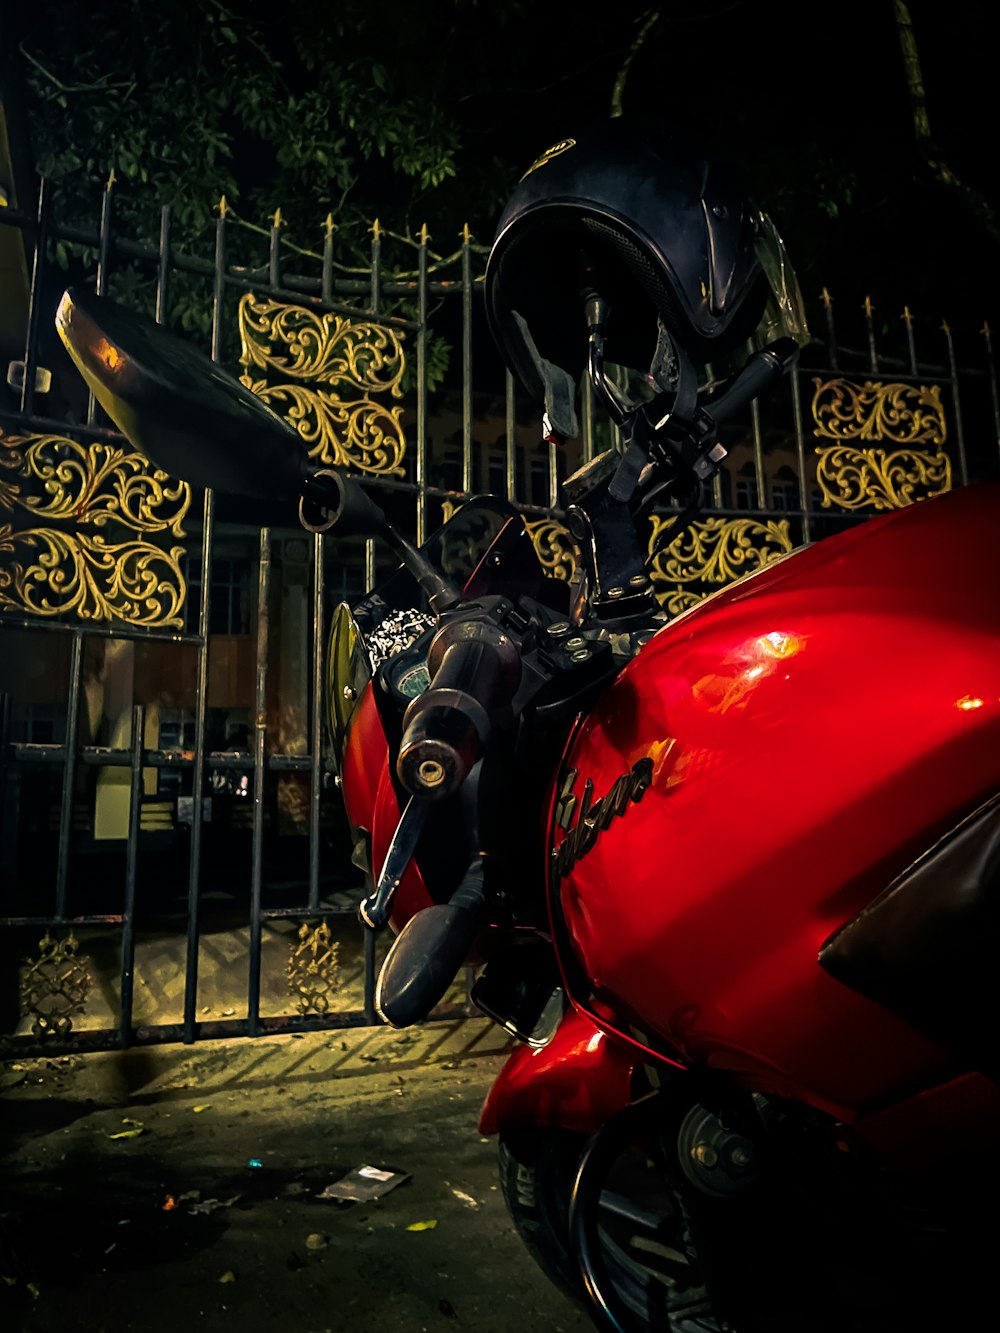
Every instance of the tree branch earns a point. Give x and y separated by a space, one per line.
978 207
914 74
100 86
647 22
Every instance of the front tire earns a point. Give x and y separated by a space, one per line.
655 1272
776 1259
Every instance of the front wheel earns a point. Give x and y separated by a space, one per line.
644 1233
778 1258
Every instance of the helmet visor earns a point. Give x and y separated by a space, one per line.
785 314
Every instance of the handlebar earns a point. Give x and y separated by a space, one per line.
762 370
476 667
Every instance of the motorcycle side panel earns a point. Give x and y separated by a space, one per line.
366 754
577 1082
808 733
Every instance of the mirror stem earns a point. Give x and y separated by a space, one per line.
330 500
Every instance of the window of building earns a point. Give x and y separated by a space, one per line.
784 496
496 472
229 612
538 481
43 724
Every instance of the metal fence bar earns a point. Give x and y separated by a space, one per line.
510 439
991 371
274 251
326 280
756 434
201 691
420 474
99 1039
259 771
198 777
5 709
316 720
869 310
370 569
95 631
34 301
55 426
103 258
717 479
69 773
300 285
831 334
466 361
911 345
86 919
956 403
306 913
800 446
163 266
376 270
131 869
104 236
106 756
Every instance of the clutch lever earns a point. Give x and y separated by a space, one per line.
374 911
691 449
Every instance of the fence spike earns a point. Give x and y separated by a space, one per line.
279 221
222 207
868 307
425 235
112 179
377 229
329 226
986 330
466 234
946 328
906 317
826 298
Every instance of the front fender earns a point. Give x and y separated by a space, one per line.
577 1082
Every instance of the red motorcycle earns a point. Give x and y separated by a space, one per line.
730 879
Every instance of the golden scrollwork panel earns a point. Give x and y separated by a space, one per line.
326 374
341 433
313 969
554 546
65 573
909 417
93 484
712 552
113 574
54 986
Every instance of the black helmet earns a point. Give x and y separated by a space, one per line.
668 239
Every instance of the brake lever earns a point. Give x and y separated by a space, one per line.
374 911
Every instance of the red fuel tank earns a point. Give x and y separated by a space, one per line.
765 766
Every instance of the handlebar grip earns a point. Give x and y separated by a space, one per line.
446 729
762 370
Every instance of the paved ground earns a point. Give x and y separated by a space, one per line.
89 1239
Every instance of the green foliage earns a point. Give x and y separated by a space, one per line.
354 111
345 113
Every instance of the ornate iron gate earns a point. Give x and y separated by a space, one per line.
171 828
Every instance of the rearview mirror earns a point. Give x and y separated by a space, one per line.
184 412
